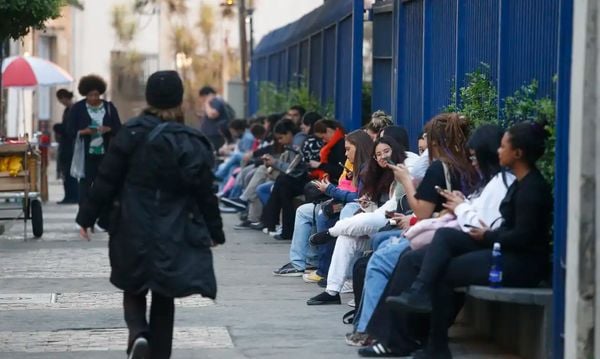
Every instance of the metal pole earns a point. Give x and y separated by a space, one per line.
243 52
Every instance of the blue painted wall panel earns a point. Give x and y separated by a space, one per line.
315 81
439 56
343 85
529 28
304 60
477 37
293 63
329 60
409 105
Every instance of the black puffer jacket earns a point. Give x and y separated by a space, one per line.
164 215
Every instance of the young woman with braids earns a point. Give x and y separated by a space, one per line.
450 168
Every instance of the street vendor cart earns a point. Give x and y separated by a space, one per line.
20 186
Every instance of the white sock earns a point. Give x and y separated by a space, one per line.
332 293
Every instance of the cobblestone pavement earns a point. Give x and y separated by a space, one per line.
56 301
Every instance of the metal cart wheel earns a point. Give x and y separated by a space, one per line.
37 219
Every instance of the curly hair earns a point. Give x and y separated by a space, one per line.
377 180
91 83
447 135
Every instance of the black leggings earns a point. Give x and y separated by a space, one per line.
284 190
454 259
160 330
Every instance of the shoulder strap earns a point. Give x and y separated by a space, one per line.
447 176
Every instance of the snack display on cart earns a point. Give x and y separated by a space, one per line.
20 183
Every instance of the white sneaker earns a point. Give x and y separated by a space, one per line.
352 303
348 287
265 230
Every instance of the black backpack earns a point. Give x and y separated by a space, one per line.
176 157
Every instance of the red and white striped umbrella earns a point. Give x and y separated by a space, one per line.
30 71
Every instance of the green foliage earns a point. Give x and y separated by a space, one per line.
19 16
479 102
274 100
524 105
478 99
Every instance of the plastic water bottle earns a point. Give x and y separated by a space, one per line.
495 277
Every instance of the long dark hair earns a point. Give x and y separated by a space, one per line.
309 119
485 142
377 180
364 147
447 135
285 126
530 138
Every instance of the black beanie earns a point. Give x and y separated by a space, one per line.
164 90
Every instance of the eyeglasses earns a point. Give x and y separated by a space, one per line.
383 154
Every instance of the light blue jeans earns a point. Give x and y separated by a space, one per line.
380 268
301 252
225 169
263 191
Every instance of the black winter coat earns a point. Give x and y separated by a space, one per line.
163 219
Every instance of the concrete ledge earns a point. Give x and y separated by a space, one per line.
535 296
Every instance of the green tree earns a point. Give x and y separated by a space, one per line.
18 18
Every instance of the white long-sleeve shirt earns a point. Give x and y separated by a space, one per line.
485 207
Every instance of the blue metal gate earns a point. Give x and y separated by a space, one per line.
326 47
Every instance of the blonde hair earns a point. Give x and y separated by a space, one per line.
168 114
379 121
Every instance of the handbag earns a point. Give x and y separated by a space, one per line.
78 161
312 194
331 208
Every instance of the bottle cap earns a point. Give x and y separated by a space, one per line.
496 246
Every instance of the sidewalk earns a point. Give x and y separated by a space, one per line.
56 301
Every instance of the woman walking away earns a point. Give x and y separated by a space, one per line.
96 121
156 178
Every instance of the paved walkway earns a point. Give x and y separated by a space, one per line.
56 301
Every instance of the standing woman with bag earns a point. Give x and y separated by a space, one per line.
157 176
95 121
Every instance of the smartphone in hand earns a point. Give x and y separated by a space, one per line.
390 214
389 161
439 189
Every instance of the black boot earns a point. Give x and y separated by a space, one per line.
415 299
429 353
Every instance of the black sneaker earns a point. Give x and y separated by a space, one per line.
415 299
324 298
140 349
244 225
320 238
280 238
288 270
378 351
323 282
234 202
257 225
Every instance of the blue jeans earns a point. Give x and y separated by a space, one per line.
323 223
380 238
380 268
263 191
225 169
301 252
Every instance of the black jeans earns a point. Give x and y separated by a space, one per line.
454 259
401 332
92 164
283 192
160 330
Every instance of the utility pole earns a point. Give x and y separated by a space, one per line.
243 51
